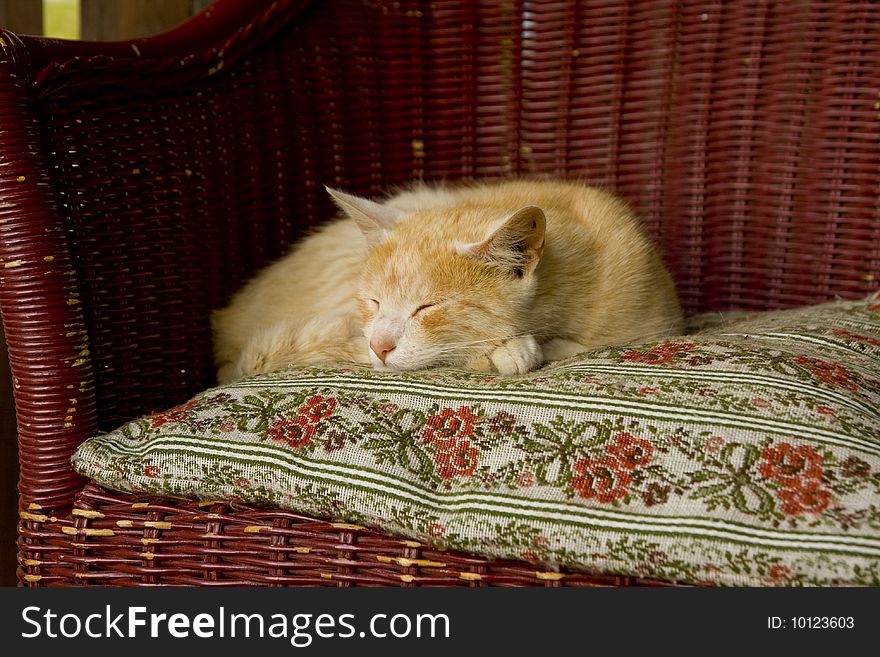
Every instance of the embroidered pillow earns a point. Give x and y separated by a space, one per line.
747 453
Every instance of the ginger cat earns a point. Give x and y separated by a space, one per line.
494 277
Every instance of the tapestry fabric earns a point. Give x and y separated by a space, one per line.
744 453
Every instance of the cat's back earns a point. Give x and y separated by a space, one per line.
320 263
478 206
564 202
319 275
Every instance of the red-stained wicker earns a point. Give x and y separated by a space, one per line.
141 182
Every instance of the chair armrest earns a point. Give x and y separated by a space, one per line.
47 342
98 334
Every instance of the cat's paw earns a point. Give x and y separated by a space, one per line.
480 363
226 373
517 356
254 360
271 349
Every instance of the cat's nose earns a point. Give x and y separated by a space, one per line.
382 346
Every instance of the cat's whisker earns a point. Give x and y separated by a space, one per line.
499 340
475 345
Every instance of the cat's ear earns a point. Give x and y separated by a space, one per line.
374 219
516 244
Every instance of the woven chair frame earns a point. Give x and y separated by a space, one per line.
142 182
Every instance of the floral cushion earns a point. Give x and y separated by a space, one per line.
747 453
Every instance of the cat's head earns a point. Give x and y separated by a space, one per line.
426 297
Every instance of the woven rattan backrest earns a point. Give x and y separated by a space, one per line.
745 133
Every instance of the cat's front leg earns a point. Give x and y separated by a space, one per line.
560 349
517 356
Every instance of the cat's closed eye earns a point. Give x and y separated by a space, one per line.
374 302
424 306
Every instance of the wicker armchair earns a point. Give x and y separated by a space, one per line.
142 182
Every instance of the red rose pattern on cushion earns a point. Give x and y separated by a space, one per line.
608 477
603 479
659 355
779 573
447 427
449 431
529 555
389 409
798 471
714 444
865 339
176 414
297 432
787 464
630 451
460 461
317 408
806 497
833 374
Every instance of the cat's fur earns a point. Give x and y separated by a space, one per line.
500 277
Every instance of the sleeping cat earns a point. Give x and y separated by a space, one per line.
493 277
